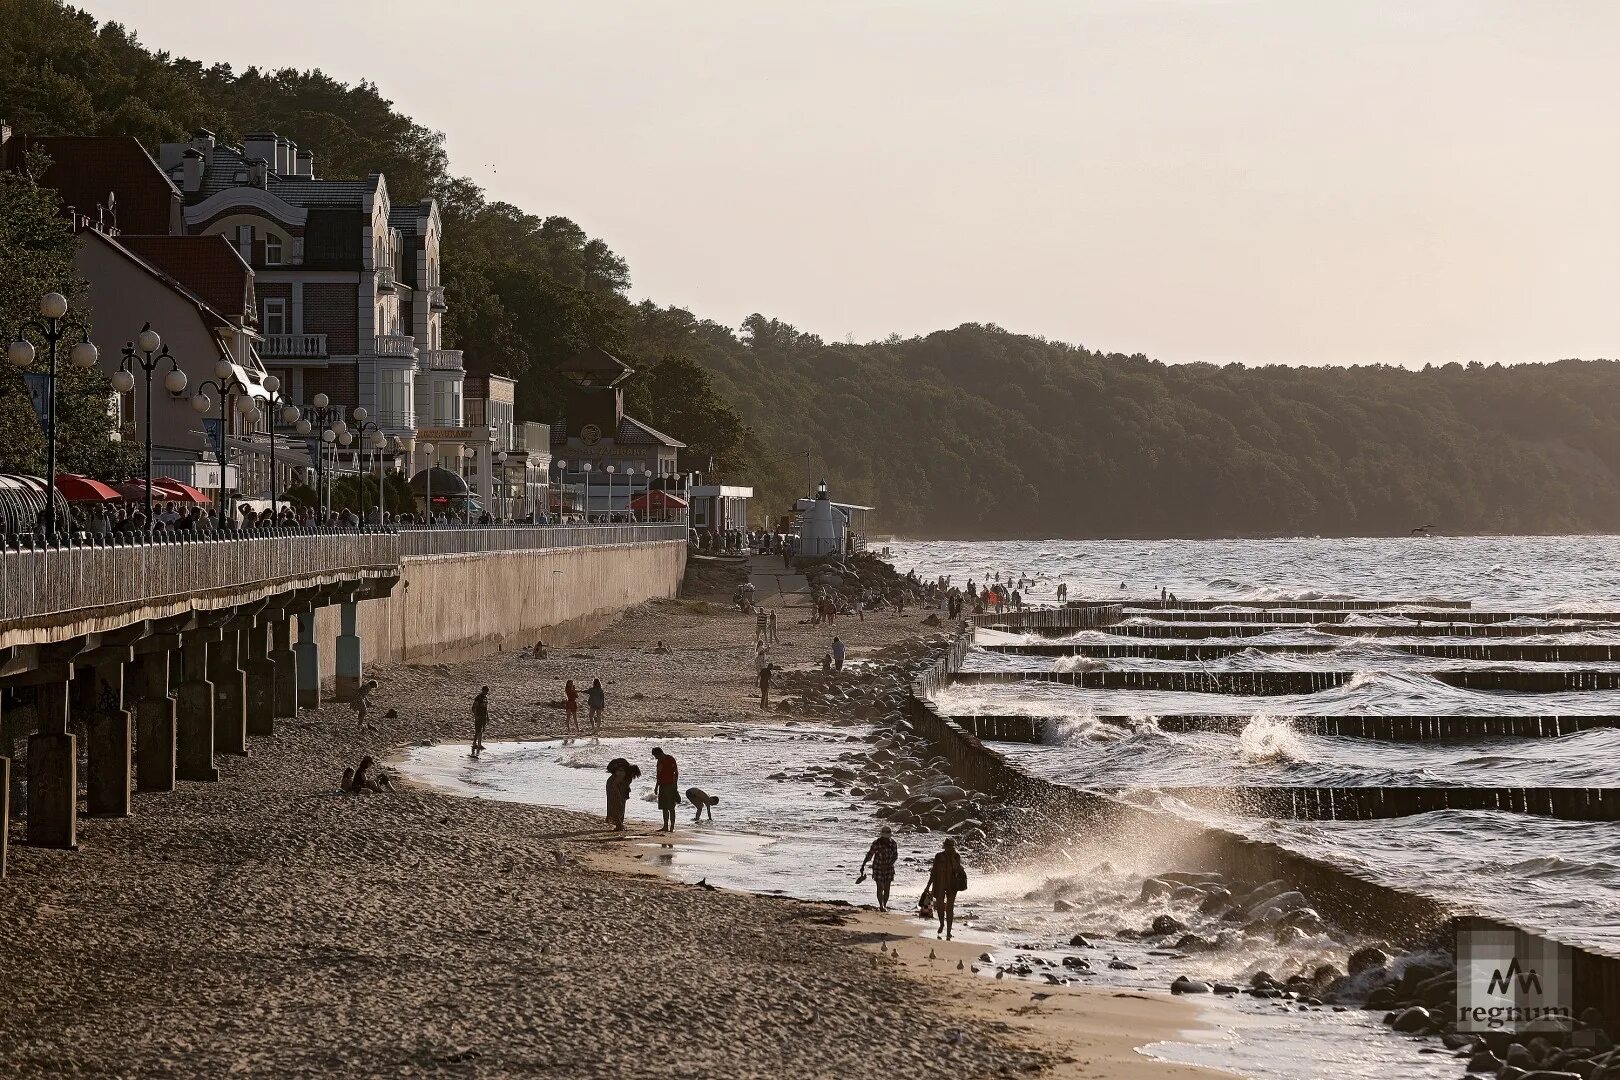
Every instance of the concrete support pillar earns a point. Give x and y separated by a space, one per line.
15 723
53 772
5 811
286 666
148 680
230 693
348 651
194 715
109 743
309 663
261 681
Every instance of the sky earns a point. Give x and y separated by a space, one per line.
1261 181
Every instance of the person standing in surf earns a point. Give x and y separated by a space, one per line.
947 878
666 779
882 855
596 698
480 712
570 707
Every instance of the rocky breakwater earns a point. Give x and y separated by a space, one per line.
896 773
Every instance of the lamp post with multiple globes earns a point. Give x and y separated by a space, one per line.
148 351
282 410
329 418
426 450
225 383
53 308
372 438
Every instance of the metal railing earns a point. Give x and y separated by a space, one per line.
441 359
463 539
293 347
124 570
119 572
394 345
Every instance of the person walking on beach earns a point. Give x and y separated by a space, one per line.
480 711
947 878
596 698
667 777
838 653
882 855
362 705
570 707
765 682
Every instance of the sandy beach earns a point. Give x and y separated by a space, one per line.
269 925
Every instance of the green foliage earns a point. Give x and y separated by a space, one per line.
360 494
967 432
36 257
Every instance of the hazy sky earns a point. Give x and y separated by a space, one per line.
1301 181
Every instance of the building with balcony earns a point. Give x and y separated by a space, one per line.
349 298
596 433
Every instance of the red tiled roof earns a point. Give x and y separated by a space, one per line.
86 169
206 265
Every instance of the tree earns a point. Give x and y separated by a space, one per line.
36 257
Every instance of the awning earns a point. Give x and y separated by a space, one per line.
79 489
178 492
657 499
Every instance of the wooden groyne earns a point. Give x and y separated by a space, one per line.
1006 727
1278 683
1295 605
1183 630
1491 652
1366 803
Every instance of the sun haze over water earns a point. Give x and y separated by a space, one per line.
1261 181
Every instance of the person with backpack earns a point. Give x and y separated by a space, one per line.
947 878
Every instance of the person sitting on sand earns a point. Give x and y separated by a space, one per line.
620 774
947 878
661 648
358 781
882 855
570 707
480 712
666 778
596 698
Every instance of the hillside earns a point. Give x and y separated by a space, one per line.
964 432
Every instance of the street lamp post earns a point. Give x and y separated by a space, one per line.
427 451
630 494
287 413
506 495
610 471
562 489
585 467
53 307
225 383
376 442
328 417
148 351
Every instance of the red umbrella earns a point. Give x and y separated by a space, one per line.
657 498
77 489
174 491
135 491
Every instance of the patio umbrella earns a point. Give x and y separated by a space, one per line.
81 489
135 491
178 492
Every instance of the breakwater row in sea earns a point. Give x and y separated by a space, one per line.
1352 895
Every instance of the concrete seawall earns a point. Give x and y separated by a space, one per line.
455 607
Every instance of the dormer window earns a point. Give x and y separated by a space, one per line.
272 250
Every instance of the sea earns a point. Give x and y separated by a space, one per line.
780 830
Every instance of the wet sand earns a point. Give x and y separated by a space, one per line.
269 925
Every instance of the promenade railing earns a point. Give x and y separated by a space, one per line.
124 570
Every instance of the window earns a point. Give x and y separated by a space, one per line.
275 316
272 249
394 389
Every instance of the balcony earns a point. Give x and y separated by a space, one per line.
293 347
436 297
401 345
385 277
441 360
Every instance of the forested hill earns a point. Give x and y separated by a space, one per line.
965 432
979 432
